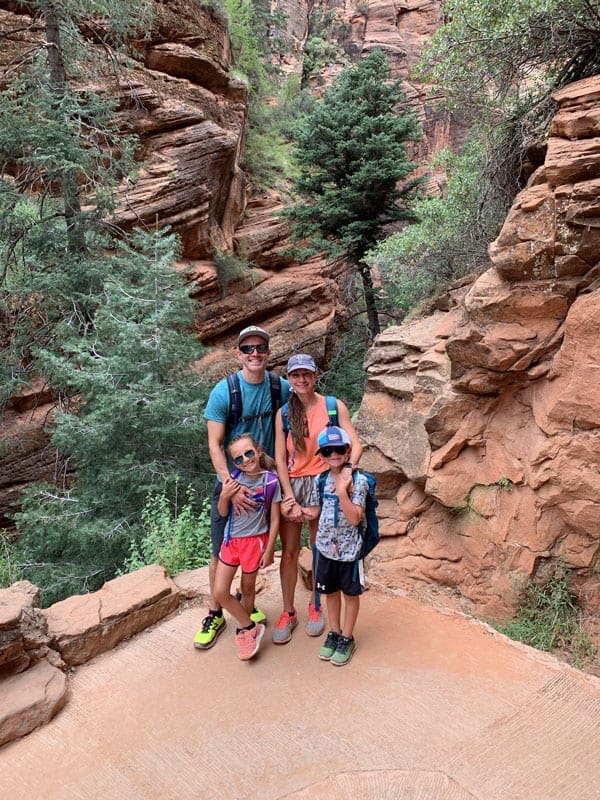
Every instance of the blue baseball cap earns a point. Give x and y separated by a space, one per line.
301 361
333 436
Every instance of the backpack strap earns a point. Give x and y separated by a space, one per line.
332 410
234 416
235 401
285 418
332 413
275 386
271 483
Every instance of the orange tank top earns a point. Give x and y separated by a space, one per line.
308 462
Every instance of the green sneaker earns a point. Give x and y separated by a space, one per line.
328 648
344 651
213 626
258 616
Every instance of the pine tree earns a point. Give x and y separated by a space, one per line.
351 151
100 314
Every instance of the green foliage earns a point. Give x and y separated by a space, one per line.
254 48
230 268
505 484
99 314
178 538
452 234
317 53
346 375
351 152
548 617
9 571
509 53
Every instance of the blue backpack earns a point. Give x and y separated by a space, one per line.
369 527
332 413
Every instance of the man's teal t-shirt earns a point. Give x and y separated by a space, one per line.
256 400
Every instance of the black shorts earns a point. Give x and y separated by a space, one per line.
333 576
217 522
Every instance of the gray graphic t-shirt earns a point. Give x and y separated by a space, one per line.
336 537
257 521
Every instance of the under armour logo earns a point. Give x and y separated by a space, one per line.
321 587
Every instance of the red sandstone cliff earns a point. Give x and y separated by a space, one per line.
483 421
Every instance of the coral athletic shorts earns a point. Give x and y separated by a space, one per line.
245 552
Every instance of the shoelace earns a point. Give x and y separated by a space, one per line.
331 640
207 622
315 614
343 644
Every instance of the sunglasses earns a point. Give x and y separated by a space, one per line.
248 454
340 449
246 349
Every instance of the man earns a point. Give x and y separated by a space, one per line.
256 415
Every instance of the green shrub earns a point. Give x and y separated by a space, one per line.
9 572
177 538
548 617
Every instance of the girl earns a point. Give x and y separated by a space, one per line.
298 461
249 540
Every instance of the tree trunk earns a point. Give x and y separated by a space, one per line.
58 81
370 300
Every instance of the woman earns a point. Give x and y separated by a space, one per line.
297 427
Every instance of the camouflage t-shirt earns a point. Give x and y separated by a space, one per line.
336 537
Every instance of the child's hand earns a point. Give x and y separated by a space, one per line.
267 559
291 510
343 480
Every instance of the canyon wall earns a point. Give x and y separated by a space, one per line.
191 117
482 420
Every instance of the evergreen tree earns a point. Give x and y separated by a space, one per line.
351 152
101 315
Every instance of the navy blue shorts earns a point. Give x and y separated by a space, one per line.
334 576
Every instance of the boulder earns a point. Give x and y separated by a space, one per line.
83 626
30 699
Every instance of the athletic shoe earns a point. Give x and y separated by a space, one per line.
212 627
282 632
328 649
315 623
344 651
248 641
258 616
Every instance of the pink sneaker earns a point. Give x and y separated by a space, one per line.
248 642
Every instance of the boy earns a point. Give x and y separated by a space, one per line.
339 571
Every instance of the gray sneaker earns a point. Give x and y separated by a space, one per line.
282 632
315 624
344 651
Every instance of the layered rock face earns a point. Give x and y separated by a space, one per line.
191 118
483 420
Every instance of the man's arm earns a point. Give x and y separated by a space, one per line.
240 500
216 438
